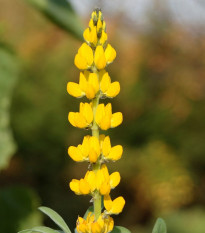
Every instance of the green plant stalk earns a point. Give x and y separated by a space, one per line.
95 132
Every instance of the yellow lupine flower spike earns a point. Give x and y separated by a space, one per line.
92 58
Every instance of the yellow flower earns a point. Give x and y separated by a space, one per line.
91 24
107 88
92 87
88 85
95 34
94 16
90 35
101 57
83 118
92 147
80 187
99 25
105 119
103 37
110 54
88 151
84 57
90 225
111 153
81 225
113 207
99 181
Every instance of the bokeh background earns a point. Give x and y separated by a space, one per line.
161 67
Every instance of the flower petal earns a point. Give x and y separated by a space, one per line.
74 90
113 90
115 153
110 54
74 186
75 154
99 58
114 179
116 119
105 82
106 146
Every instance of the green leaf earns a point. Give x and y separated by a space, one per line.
61 13
19 204
118 229
56 218
25 231
40 229
160 226
9 70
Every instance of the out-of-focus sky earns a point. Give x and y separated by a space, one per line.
190 13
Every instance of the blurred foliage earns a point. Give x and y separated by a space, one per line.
162 98
9 70
161 183
186 221
18 209
61 13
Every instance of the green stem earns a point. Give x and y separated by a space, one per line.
95 132
97 206
95 129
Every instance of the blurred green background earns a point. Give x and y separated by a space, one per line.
161 68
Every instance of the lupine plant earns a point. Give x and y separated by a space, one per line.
95 83
92 58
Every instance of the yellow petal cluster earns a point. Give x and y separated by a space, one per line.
107 88
114 207
99 181
105 119
84 57
91 225
93 149
103 57
95 34
92 58
88 86
83 118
